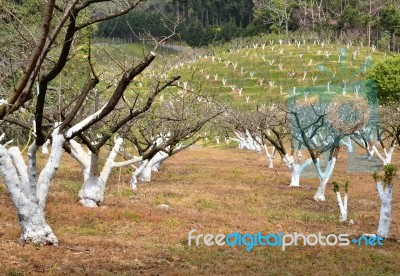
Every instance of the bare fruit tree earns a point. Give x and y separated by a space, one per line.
92 191
320 125
172 126
28 188
275 128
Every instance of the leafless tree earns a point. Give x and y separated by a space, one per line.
172 126
320 125
27 188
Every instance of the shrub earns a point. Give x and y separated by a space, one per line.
387 76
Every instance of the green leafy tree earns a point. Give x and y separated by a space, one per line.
387 76
390 21
275 12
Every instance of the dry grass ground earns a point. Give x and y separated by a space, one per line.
215 191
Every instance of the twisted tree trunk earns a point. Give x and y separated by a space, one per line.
29 193
323 178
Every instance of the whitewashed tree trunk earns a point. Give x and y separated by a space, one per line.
323 178
271 161
34 228
342 206
93 189
385 194
156 167
136 173
29 194
51 167
240 139
387 158
240 142
92 192
23 193
270 156
45 149
145 174
295 179
246 141
296 168
252 144
161 157
348 144
369 154
146 171
320 194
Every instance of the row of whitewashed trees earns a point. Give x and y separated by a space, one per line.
152 131
312 129
104 111
58 96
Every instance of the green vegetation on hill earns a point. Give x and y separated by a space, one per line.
203 22
387 76
250 72
270 70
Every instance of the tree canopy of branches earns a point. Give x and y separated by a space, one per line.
63 27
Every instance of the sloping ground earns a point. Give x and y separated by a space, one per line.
249 75
213 190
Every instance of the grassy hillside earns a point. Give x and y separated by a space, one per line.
246 75
260 72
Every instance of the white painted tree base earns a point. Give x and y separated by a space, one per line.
28 192
94 186
92 192
320 194
145 171
88 202
385 194
323 178
34 227
386 157
296 168
295 179
342 206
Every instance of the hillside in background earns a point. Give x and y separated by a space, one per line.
265 69
203 22
253 72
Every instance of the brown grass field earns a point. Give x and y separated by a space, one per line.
213 190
